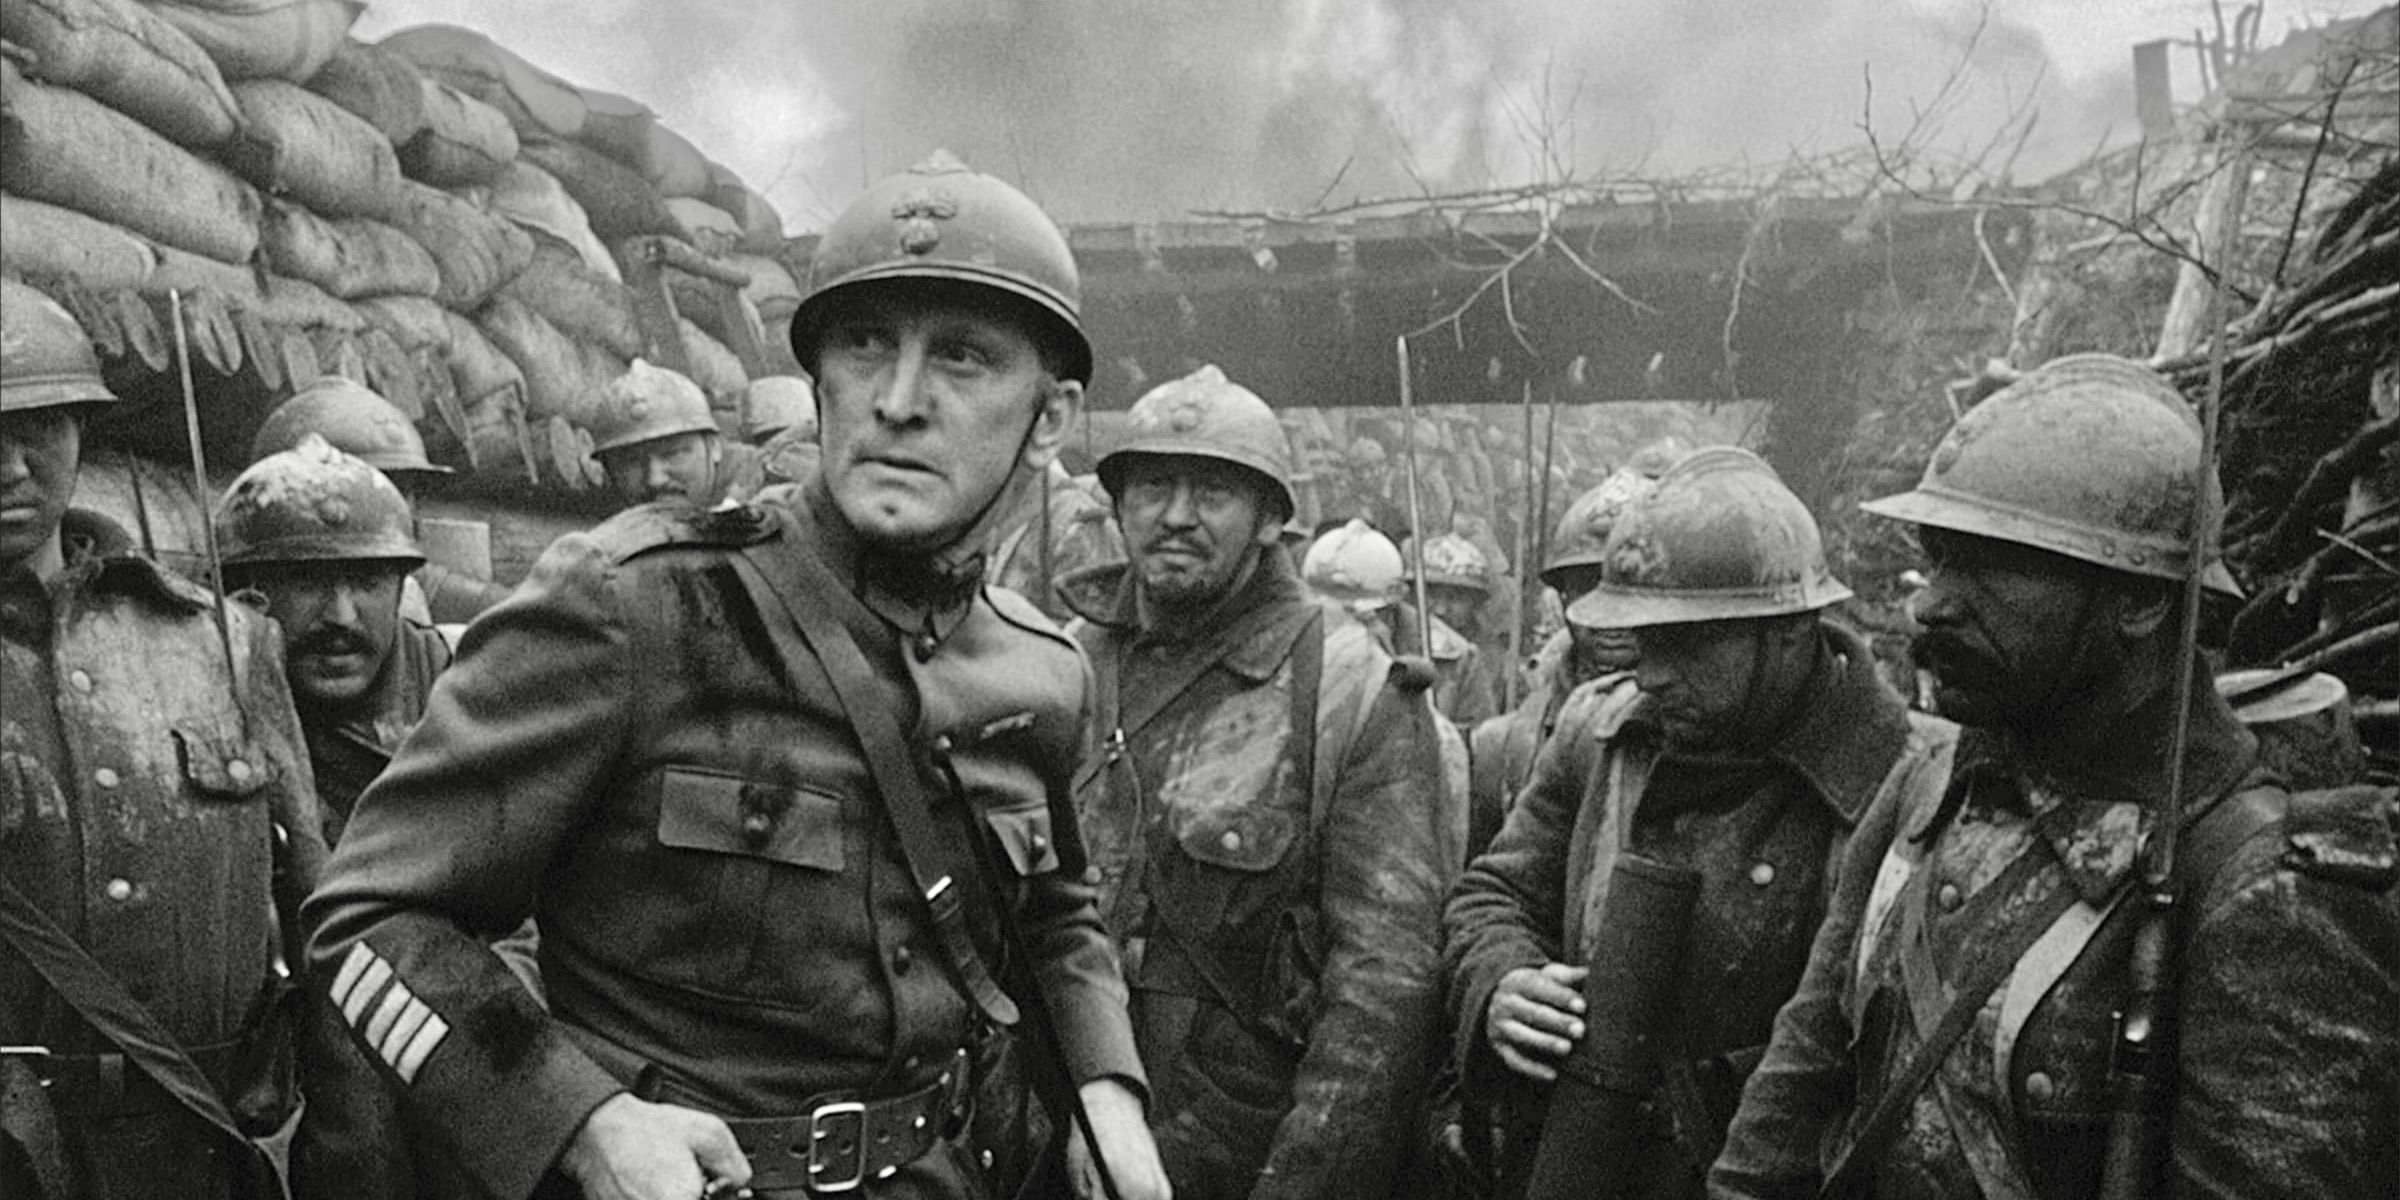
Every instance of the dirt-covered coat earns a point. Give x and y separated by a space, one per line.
726 919
141 790
2288 1051
1265 804
1765 833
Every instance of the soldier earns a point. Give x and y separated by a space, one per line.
1037 547
657 440
774 778
1758 735
1955 1029
1265 811
1457 586
782 423
156 819
357 421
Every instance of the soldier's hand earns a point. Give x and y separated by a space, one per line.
1124 1142
1535 1018
631 1149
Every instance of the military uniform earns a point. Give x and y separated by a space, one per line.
1272 856
1764 831
2288 1063
727 922
1504 748
349 751
1081 531
142 797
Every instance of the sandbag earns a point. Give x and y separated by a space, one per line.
302 145
413 321
378 87
580 302
710 229
771 283
40 240
475 251
714 367
265 39
126 57
533 198
761 225
64 147
618 201
350 257
465 141
477 367
498 439
533 100
557 378
662 157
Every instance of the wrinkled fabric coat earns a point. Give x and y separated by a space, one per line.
2288 1059
1273 863
1764 832
141 787
1505 747
725 914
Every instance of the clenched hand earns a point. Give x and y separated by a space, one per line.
631 1149
1535 1018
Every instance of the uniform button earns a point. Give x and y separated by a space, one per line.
986 1157
237 770
81 680
757 822
1948 897
1038 842
105 777
926 645
1091 876
2039 1086
1231 841
902 959
119 890
1762 874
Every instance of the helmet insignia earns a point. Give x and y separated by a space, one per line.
1187 416
917 211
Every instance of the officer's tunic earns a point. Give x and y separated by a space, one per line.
140 787
2289 1010
725 913
1304 844
1764 831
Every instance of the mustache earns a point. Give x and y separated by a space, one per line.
330 642
1175 541
1936 649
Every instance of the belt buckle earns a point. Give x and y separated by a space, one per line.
827 1122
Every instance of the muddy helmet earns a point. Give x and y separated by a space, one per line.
2090 456
1582 533
776 403
647 403
939 220
1453 561
45 359
354 419
1206 415
314 503
1720 538
1354 566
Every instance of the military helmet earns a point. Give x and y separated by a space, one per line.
775 403
2090 456
1206 415
1582 533
647 403
1453 561
1719 538
1355 566
1654 459
351 417
45 359
314 503
1367 452
940 220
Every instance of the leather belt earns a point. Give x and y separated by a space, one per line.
107 1085
844 1141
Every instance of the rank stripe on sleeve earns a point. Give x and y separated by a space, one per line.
402 1029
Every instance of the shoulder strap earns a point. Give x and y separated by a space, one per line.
806 596
106 1006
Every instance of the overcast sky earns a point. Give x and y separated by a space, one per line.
1147 109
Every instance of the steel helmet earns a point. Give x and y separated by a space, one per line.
314 503
1453 561
1582 533
776 403
1354 566
646 403
2090 456
1206 415
45 359
941 220
1655 459
352 417
1720 537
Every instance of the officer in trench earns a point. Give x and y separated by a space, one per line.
786 785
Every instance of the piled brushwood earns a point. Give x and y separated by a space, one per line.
430 214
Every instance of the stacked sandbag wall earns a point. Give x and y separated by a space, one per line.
430 214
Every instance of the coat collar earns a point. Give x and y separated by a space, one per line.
911 595
1233 635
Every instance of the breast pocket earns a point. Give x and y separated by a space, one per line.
724 813
744 871
216 767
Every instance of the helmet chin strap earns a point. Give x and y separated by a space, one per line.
956 566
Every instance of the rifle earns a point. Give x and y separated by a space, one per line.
1416 517
2141 1065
